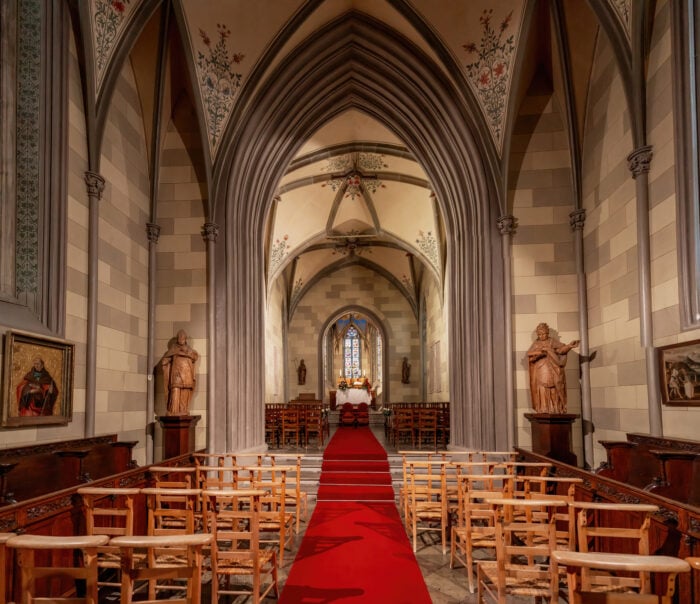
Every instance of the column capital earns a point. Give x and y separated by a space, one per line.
153 232
639 160
210 231
95 184
507 224
577 219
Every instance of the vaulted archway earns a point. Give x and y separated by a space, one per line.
356 63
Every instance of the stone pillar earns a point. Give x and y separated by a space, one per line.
507 225
153 233
210 232
95 186
577 220
638 162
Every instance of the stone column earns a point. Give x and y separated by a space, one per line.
638 162
153 233
507 225
210 232
95 186
577 220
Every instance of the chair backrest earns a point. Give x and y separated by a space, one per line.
108 511
171 511
614 527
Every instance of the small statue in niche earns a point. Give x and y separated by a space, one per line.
301 373
405 371
547 361
178 374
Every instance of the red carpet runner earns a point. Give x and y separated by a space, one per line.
355 548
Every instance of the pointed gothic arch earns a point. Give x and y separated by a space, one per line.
356 62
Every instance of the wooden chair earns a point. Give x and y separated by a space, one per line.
426 495
272 426
599 530
403 428
171 511
108 511
234 521
314 425
173 477
552 487
4 537
426 429
290 426
581 592
274 516
63 566
476 522
524 545
297 500
187 574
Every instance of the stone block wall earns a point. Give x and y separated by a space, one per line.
544 273
181 262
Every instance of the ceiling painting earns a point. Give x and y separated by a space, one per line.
109 22
483 37
227 39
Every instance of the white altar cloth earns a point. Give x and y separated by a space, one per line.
352 395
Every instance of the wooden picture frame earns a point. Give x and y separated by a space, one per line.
679 372
37 381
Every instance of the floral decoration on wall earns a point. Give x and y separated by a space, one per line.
109 18
280 248
296 290
428 245
623 10
489 73
219 83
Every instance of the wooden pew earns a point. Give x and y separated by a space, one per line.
32 471
60 513
667 466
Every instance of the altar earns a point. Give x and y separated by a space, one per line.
353 395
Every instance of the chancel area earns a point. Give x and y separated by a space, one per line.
393 259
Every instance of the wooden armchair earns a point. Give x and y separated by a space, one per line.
363 414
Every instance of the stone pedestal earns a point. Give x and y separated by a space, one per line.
178 434
551 435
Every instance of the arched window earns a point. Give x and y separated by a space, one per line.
351 354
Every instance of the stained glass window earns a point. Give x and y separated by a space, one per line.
351 350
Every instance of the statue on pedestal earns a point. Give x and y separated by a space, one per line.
405 371
547 361
178 374
301 373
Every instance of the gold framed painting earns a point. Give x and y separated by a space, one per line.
38 381
679 368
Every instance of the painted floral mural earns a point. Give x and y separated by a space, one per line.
489 73
280 249
354 182
218 81
428 245
109 18
623 9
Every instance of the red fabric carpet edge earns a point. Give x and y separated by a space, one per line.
355 551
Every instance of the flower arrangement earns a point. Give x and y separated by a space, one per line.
386 411
343 385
